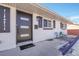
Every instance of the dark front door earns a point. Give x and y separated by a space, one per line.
24 26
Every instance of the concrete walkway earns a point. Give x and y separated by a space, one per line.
44 48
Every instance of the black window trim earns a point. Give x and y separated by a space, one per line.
48 25
39 21
45 23
54 24
63 26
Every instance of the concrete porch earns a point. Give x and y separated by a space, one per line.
43 48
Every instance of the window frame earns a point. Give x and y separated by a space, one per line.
39 19
5 19
45 23
49 23
63 26
54 24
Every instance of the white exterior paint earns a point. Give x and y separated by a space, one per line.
8 40
40 34
58 29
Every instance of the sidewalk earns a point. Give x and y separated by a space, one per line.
44 48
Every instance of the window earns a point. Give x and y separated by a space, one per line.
4 19
45 23
63 26
54 24
49 23
39 21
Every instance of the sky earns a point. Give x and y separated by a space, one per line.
68 10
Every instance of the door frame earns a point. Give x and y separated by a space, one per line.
31 27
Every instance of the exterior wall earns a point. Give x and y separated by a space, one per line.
58 29
40 34
8 40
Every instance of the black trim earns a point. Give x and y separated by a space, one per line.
39 19
54 24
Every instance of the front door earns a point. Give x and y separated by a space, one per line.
24 26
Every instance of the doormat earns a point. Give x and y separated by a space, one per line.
26 46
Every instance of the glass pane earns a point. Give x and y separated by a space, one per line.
4 19
39 21
45 23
